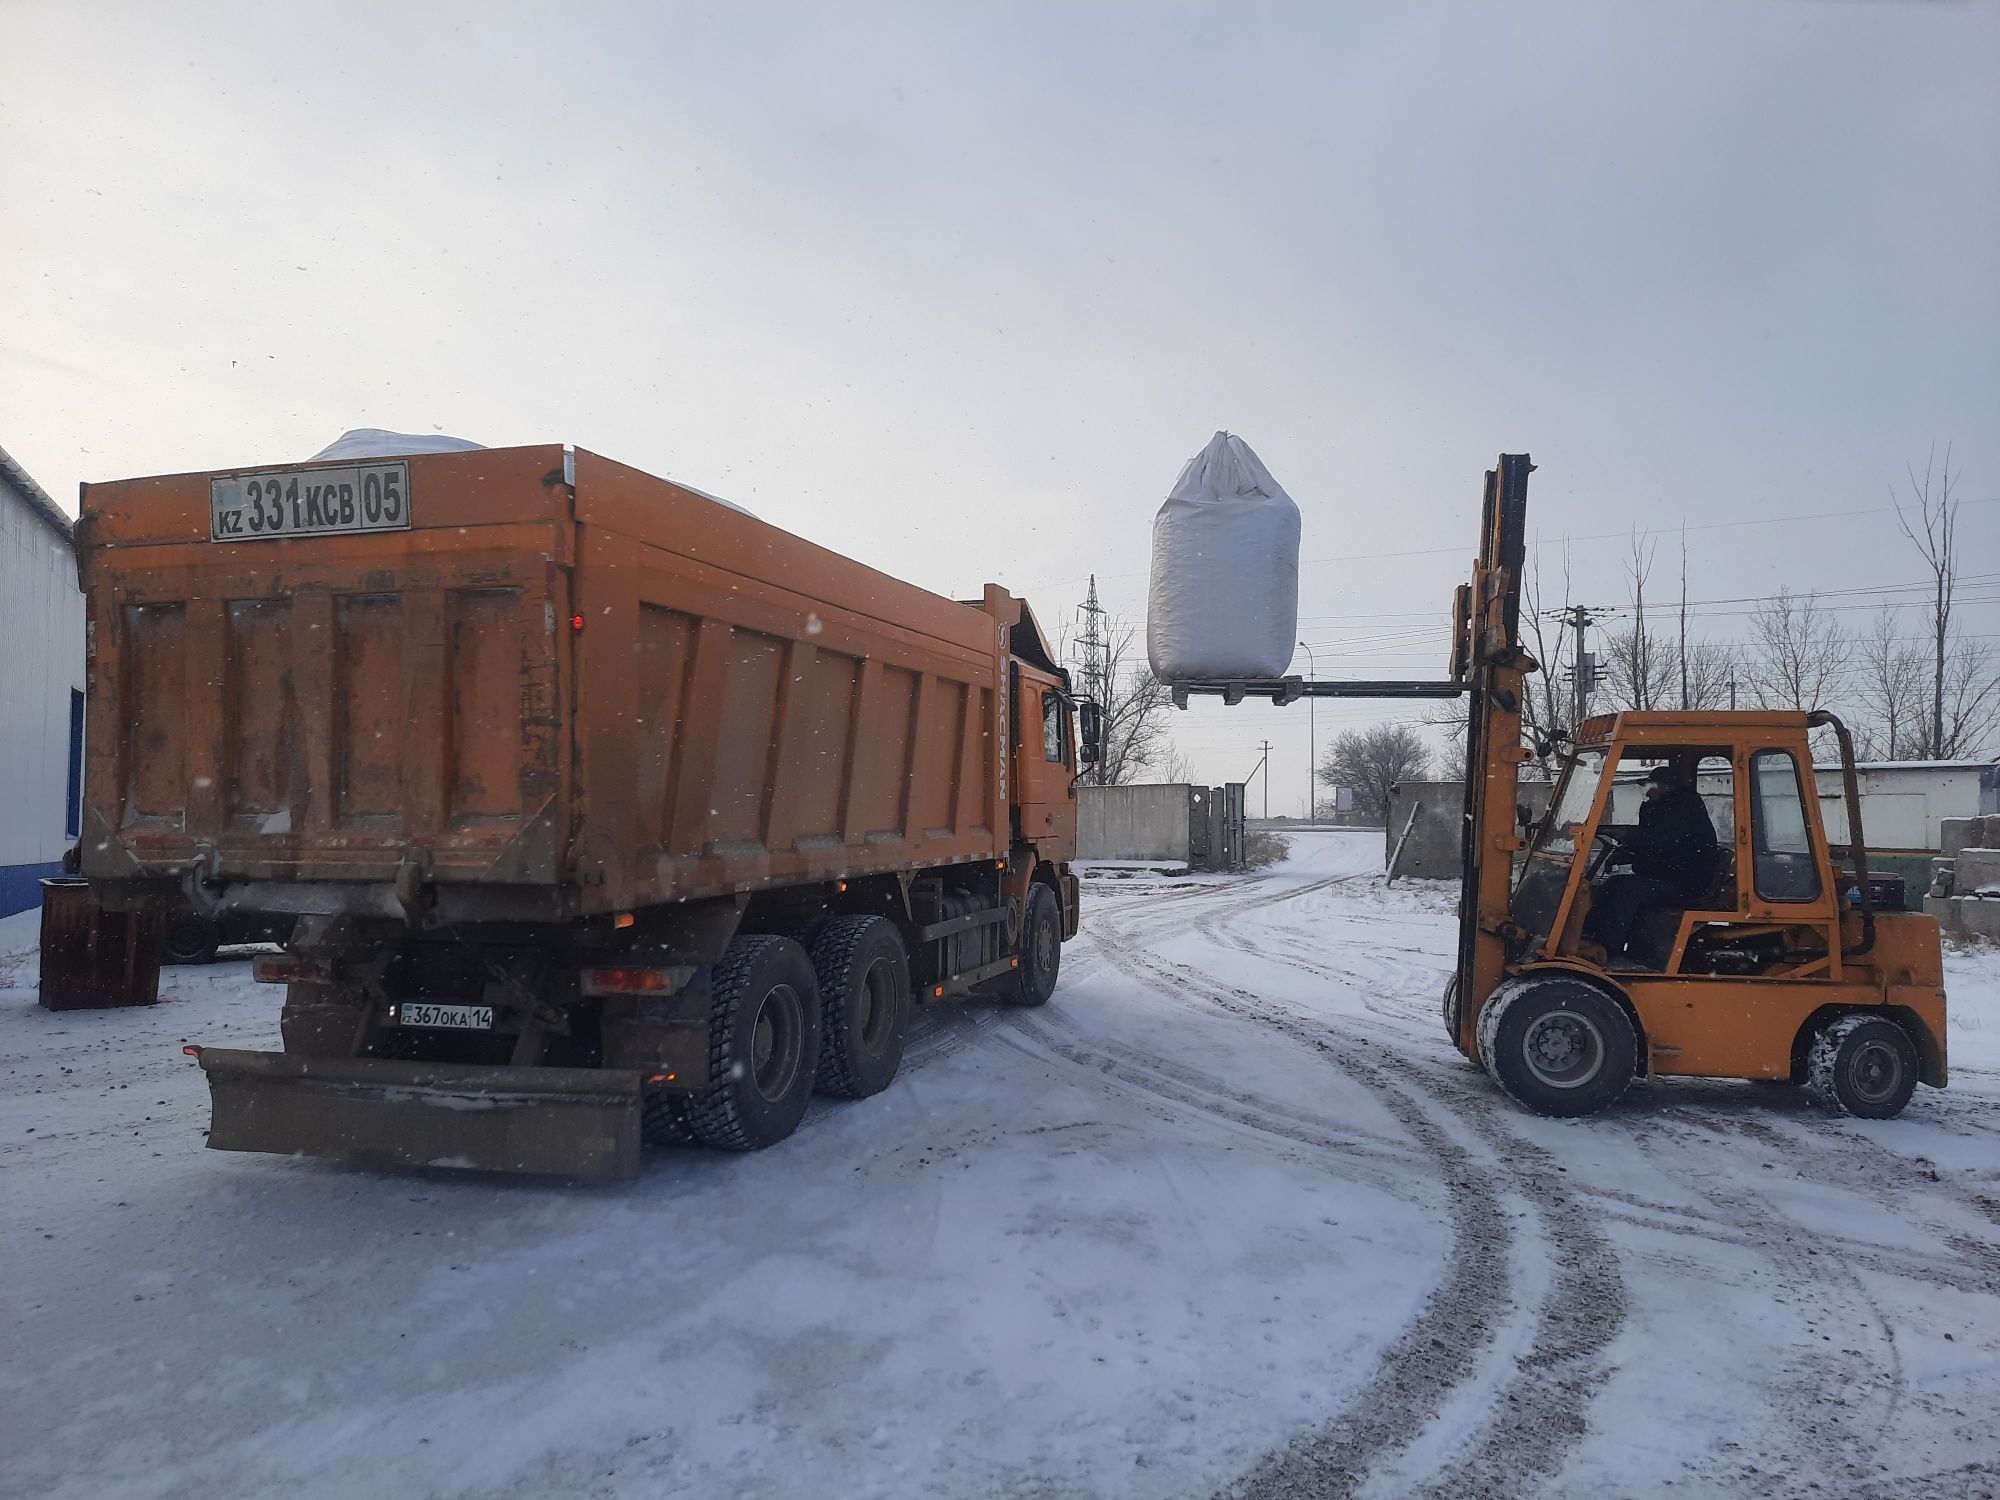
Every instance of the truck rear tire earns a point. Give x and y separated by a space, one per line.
763 1046
1558 1046
192 939
1041 950
1864 1066
864 990
664 1121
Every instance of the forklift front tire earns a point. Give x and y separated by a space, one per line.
1864 1066
1558 1046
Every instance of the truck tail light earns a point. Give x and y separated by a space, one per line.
288 970
627 980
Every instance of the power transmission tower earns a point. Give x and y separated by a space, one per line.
1095 645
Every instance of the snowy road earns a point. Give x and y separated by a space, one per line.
1229 1215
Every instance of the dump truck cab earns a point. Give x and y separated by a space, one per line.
1784 943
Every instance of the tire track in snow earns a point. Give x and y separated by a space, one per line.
1538 1415
1951 1271
1442 1346
1131 1072
1817 1407
1823 1143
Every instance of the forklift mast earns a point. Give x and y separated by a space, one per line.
1487 657
1488 663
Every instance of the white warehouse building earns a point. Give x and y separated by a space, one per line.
41 688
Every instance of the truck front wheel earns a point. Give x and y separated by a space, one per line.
864 988
1041 949
763 1045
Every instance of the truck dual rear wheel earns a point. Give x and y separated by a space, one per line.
192 939
763 1045
864 988
1863 1065
1041 950
1558 1046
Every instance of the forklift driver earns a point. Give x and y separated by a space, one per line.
1672 853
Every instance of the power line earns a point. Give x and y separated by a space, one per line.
1539 542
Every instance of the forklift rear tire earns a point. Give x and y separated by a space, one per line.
1558 1046
864 989
1864 1066
763 1046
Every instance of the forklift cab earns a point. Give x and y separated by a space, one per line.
1782 950
1770 902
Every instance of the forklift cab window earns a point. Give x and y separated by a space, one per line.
1052 727
1781 846
1571 806
1546 871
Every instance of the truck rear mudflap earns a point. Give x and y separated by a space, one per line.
567 1122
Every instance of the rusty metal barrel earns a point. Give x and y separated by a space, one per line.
92 957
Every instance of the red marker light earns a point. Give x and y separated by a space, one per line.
191 1050
576 623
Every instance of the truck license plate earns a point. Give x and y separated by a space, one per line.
450 1017
309 502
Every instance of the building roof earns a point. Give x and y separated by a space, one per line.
17 479
1910 765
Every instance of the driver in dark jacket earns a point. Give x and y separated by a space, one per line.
1672 853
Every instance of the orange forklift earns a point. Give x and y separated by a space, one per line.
1796 965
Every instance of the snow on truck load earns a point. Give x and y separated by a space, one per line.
559 768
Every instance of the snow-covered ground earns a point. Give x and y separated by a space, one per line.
1228 1215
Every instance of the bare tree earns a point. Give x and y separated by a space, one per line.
1370 761
1635 672
1172 766
1451 759
1682 650
1797 655
1964 689
1892 685
1707 668
1971 701
1548 706
1645 672
1136 705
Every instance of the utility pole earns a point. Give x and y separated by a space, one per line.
1584 673
1312 737
1732 695
1095 646
1263 769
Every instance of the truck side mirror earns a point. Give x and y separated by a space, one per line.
1089 732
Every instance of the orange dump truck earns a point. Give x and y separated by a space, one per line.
597 807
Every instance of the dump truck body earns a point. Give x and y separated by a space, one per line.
479 722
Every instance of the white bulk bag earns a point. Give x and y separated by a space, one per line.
1224 601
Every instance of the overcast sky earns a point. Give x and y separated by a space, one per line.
957 289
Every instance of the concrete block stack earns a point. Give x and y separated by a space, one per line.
1965 877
